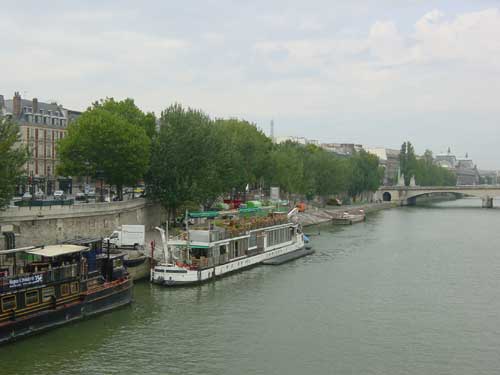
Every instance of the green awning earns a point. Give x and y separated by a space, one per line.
207 214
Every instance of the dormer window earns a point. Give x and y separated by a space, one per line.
41 111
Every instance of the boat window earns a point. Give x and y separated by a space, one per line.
64 289
253 240
47 293
9 303
75 288
222 249
31 298
159 270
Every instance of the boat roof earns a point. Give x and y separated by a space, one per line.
57 250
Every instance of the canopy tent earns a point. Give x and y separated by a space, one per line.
57 250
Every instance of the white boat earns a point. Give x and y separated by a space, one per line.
350 218
226 245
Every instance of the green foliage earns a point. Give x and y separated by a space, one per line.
128 110
407 162
365 173
12 157
244 153
287 168
185 165
429 174
104 144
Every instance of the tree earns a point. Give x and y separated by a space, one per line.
429 174
130 112
104 145
325 174
287 168
12 156
244 155
407 161
365 173
185 165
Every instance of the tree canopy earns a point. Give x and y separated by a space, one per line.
105 145
13 157
429 174
407 162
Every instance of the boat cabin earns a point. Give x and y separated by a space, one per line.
216 240
34 279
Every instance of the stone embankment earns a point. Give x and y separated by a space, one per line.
316 215
54 224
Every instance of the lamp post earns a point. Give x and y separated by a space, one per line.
100 177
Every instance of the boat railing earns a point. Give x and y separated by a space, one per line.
54 274
232 229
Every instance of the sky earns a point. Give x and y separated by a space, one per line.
375 72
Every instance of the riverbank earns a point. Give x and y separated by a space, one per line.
316 215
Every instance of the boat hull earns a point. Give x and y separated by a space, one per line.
349 220
289 257
108 298
138 269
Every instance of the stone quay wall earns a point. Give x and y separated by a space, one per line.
53 224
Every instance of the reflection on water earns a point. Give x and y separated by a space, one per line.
412 290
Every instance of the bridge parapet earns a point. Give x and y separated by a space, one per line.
406 195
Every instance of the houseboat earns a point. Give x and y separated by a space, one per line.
225 243
47 286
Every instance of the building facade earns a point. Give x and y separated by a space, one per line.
41 125
465 169
389 160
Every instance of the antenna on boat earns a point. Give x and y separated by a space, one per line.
188 255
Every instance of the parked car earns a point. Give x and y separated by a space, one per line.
39 194
80 196
27 196
91 193
59 195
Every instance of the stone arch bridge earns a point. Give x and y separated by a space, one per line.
407 195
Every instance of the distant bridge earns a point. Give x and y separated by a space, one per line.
407 195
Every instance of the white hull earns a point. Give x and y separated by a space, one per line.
171 275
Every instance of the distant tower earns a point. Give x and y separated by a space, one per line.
466 155
272 130
449 150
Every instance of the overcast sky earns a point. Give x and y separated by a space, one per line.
375 72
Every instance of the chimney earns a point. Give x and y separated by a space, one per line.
35 105
2 103
16 104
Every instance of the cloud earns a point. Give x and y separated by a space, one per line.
347 61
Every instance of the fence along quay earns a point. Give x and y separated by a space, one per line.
44 287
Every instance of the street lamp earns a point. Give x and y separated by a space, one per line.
100 176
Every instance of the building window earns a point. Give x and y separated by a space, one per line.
9 303
47 294
31 298
64 290
75 287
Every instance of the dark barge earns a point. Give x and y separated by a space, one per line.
48 286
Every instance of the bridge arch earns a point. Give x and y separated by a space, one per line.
386 197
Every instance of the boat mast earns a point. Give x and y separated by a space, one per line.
188 255
164 243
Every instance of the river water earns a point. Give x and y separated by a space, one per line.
411 291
